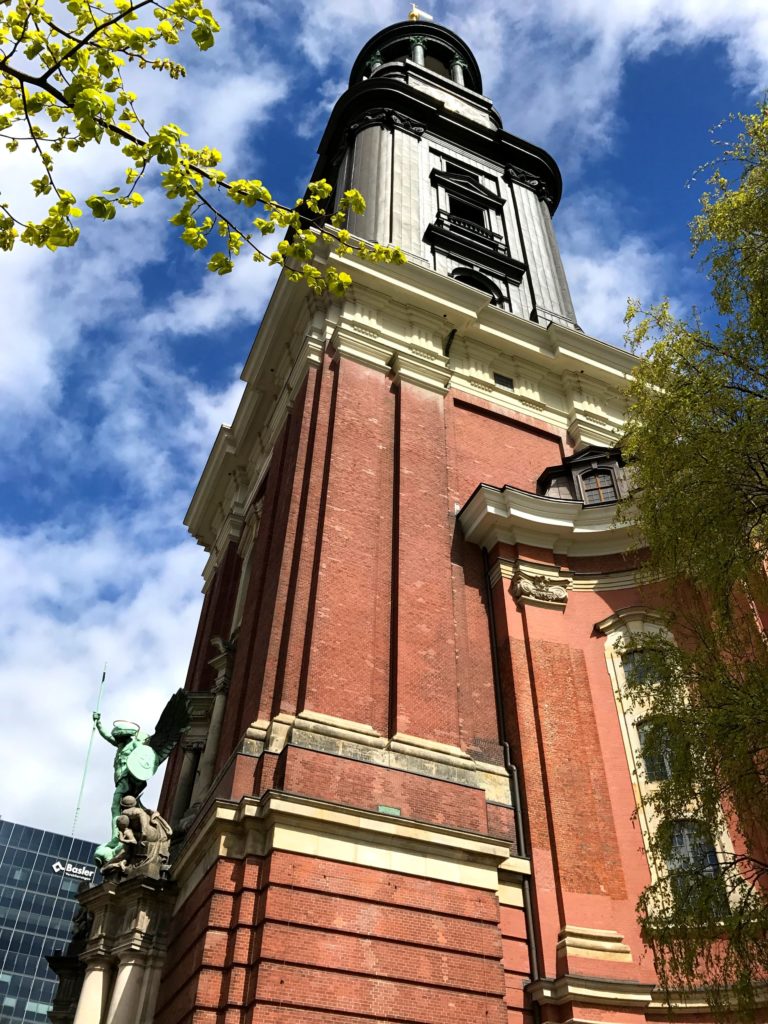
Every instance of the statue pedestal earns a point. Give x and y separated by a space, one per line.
125 951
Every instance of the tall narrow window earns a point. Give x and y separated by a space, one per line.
693 855
598 487
636 666
654 749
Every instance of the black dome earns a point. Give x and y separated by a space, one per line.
392 43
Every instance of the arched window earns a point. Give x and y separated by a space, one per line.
476 280
598 487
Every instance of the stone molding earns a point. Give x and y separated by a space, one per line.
681 1003
594 943
294 824
424 373
598 991
540 589
505 569
342 738
510 516
637 616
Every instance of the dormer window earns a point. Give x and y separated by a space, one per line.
598 487
594 476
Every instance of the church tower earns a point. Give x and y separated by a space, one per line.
408 792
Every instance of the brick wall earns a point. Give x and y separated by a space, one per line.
300 938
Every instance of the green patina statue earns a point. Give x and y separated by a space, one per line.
137 759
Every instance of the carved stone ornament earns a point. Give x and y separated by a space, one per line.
531 588
387 118
531 181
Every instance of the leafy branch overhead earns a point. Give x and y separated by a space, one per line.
62 88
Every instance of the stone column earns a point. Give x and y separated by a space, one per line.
418 49
211 749
457 70
130 922
95 993
184 787
125 1001
206 765
375 61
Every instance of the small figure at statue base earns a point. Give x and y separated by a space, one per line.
144 839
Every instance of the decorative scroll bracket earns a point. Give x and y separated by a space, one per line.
536 588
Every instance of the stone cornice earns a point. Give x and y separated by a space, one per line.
554 349
511 516
282 821
563 378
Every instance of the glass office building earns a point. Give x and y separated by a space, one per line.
40 873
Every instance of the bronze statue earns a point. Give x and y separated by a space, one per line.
137 759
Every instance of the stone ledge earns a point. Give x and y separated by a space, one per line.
598 991
278 821
595 943
361 742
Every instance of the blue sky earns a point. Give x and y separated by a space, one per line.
121 358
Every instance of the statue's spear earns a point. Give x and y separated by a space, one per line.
88 753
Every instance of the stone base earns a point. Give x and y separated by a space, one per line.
125 952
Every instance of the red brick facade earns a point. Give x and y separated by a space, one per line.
420 800
366 604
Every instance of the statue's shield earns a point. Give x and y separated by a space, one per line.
142 762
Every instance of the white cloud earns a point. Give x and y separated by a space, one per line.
555 70
606 265
216 303
316 112
80 598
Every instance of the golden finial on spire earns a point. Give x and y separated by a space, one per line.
416 15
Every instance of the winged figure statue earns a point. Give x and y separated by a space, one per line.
138 757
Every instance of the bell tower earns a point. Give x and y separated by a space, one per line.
442 179
407 793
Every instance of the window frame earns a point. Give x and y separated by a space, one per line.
625 627
596 471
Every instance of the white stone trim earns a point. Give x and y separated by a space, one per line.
279 821
622 626
512 516
599 991
358 741
593 943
